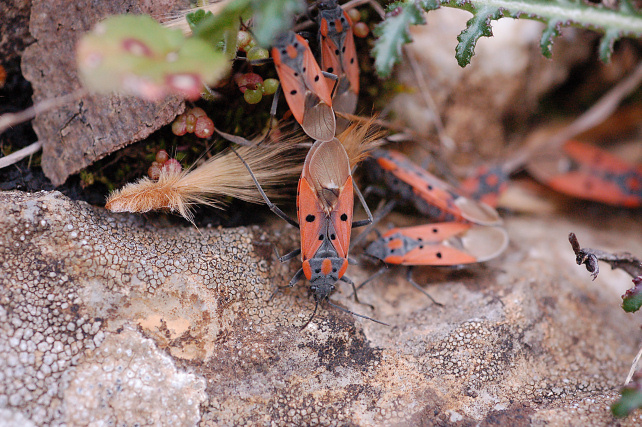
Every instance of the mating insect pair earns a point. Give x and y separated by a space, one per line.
468 232
314 92
325 202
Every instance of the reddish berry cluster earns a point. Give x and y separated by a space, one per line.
165 164
194 121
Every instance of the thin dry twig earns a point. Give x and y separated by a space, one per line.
592 117
446 142
15 157
11 119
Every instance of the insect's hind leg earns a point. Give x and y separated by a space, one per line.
354 291
416 285
274 208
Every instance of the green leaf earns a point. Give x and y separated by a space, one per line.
630 400
272 17
632 298
476 27
213 28
551 31
625 21
393 33
606 45
133 54
194 18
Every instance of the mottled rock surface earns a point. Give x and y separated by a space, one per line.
79 133
107 319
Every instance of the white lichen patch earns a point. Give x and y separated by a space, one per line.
128 381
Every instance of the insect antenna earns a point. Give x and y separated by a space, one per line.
311 317
354 314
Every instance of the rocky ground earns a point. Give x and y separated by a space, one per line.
107 319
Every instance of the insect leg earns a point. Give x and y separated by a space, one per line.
416 285
274 208
379 214
362 222
287 256
354 291
374 276
297 276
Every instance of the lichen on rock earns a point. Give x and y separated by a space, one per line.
107 318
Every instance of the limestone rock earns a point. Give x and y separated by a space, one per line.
107 319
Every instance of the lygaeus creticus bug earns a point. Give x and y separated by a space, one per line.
339 56
325 202
588 172
430 195
303 83
439 244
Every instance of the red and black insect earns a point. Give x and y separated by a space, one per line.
430 195
439 244
588 172
304 86
487 184
325 202
339 55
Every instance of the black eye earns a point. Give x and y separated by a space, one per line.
293 92
334 270
439 255
310 218
320 236
344 217
332 237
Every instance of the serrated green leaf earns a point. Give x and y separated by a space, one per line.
615 24
606 45
428 5
195 17
630 400
272 17
478 26
393 33
213 28
551 31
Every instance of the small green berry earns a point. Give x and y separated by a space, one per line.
257 53
270 86
253 96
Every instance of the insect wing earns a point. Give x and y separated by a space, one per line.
436 192
319 121
326 194
312 220
304 88
445 244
